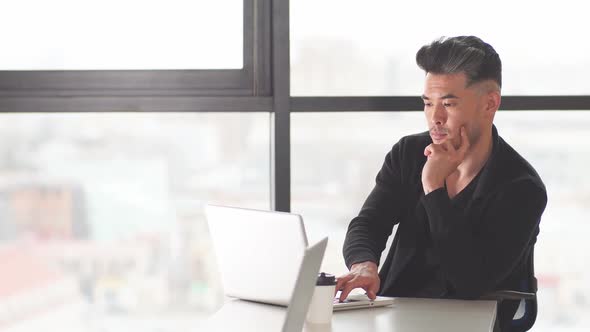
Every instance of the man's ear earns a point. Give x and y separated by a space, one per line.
493 100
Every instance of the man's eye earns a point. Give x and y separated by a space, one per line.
448 105
427 104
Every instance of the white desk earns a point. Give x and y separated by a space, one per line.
406 314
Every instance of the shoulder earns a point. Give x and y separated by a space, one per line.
516 169
412 144
407 154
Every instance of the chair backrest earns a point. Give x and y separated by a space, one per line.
527 320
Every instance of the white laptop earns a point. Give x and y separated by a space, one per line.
247 316
260 253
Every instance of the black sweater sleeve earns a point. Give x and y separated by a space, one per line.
368 232
476 254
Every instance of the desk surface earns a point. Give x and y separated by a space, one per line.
406 314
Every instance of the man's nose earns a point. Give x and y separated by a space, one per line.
438 116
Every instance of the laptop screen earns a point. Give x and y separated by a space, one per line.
258 252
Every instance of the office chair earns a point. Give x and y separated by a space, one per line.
527 294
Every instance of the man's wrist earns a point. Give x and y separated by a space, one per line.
365 264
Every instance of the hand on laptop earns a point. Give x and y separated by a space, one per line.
362 275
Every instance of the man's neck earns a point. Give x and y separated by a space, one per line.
476 158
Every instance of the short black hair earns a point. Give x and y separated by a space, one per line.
468 54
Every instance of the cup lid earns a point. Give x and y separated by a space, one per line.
325 279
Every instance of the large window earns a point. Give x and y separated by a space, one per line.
119 121
149 52
102 199
101 220
343 48
131 34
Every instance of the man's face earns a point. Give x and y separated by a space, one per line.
449 104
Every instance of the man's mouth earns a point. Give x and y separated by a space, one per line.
438 136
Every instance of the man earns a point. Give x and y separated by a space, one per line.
468 206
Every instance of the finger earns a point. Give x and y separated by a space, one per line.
347 289
435 149
428 150
373 288
341 281
432 149
447 145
